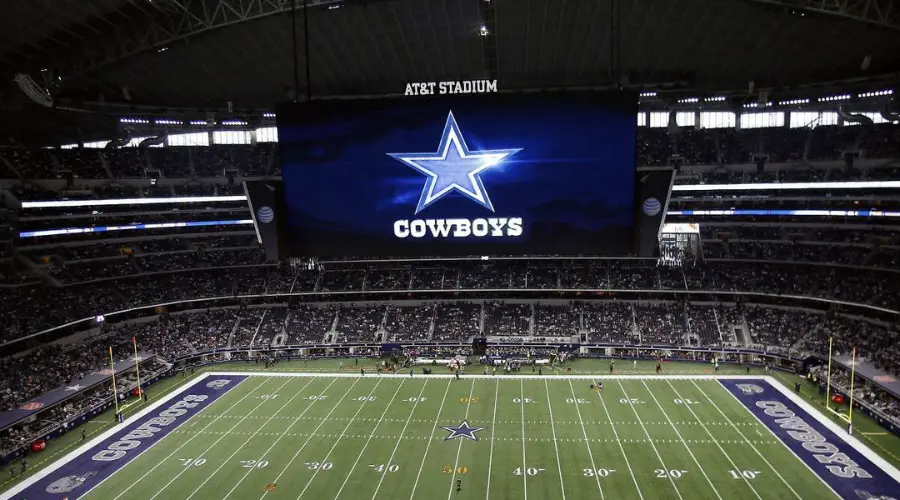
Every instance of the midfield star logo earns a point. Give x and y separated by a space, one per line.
453 168
463 430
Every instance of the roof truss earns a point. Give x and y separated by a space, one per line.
884 13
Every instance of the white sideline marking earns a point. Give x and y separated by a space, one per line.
184 469
754 447
562 487
282 434
50 469
591 453
241 447
708 433
456 462
491 456
311 435
524 460
499 376
661 461
369 440
400 438
437 419
341 436
688 448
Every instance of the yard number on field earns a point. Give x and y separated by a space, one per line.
319 465
686 402
416 400
367 398
254 464
744 474
632 401
672 473
530 471
473 399
462 469
523 400
317 397
192 462
267 396
577 401
384 467
598 472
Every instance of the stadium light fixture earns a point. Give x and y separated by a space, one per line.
833 98
132 201
792 102
103 229
877 93
787 186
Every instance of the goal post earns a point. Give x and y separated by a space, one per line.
846 417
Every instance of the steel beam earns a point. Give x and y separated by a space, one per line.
169 22
884 13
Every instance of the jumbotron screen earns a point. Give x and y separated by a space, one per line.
495 174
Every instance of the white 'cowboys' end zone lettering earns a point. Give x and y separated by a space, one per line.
813 441
459 228
132 440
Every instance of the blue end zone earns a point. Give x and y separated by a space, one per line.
91 466
835 460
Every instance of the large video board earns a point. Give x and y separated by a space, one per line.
450 176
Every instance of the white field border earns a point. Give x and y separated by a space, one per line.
46 471
810 410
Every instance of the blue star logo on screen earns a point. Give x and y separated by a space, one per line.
454 168
463 430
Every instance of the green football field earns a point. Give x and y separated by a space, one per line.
322 437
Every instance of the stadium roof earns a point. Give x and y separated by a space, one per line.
206 53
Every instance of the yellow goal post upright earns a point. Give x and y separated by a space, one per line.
848 417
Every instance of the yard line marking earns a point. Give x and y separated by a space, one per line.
241 447
524 460
170 455
311 435
316 472
688 448
456 462
646 433
437 421
714 405
366 445
402 431
591 453
296 419
616 434
562 488
491 456
730 461
874 433
185 469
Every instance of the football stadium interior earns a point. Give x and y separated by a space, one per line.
461 249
